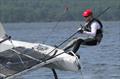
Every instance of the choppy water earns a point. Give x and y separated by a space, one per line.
98 62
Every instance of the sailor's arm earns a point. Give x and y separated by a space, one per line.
93 30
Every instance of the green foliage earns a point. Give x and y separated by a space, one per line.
53 10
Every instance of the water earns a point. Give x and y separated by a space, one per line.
98 62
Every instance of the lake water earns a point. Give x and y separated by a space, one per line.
98 62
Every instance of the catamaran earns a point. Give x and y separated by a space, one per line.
17 57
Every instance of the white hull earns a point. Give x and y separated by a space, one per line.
17 57
63 61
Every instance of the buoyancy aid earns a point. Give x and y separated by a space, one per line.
99 33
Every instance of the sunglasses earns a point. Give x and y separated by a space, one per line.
86 16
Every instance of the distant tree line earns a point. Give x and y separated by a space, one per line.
54 10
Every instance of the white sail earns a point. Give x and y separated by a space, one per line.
3 46
2 31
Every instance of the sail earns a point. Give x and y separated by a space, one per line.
2 31
4 38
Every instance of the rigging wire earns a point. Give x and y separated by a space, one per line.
55 26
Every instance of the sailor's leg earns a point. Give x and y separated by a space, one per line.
69 45
77 45
89 42
55 74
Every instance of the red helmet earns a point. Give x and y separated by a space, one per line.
87 13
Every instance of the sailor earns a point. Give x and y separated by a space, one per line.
93 28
